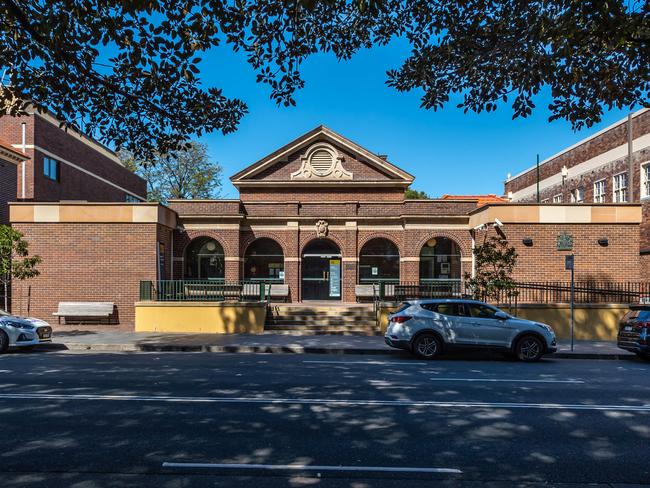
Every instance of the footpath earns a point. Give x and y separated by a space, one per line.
117 341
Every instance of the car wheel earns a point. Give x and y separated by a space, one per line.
427 346
643 355
529 349
4 341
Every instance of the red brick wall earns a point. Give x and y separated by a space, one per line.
8 177
294 239
188 208
74 184
587 180
619 261
332 194
11 133
359 169
598 145
87 262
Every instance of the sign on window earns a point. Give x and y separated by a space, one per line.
335 277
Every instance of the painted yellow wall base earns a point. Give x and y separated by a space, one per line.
200 317
591 321
596 322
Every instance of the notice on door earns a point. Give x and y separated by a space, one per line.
335 277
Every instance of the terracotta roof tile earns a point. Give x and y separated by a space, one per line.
481 199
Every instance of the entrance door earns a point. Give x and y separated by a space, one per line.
321 271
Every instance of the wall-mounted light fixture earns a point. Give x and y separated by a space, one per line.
603 242
527 241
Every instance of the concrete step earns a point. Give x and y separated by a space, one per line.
321 313
348 319
320 330
318 320
293 326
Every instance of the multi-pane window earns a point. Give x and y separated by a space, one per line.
645 180
620 188
131 199
599 191
557 198
51 169
578 195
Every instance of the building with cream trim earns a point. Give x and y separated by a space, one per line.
596 170
320 215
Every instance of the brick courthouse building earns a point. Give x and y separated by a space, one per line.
320 215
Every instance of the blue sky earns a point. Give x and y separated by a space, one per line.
447 151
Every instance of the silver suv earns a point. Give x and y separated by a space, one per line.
428 327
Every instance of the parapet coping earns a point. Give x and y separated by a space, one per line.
91 212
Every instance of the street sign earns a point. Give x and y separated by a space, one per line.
568 262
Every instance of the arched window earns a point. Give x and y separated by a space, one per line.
439 260
264 261
204 260
379 261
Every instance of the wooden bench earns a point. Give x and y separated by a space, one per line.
210 292
366 292
272 291
279 291
372 291
85 311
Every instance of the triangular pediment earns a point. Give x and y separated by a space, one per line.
322 156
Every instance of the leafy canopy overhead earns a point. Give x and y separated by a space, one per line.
128 71
188 174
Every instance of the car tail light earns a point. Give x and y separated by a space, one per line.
400 319
645 331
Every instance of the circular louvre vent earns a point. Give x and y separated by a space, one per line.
321 162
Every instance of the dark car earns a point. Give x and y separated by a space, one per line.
634 331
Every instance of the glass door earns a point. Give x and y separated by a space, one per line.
321 272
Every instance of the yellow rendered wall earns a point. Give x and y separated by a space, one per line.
200 317
591 322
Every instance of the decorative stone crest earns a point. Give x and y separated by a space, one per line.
321 228
321 162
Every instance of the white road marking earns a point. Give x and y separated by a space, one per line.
309 467
505 380
380 363
321 401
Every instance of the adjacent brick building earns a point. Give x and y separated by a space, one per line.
596 170
10 159
62 165
320 215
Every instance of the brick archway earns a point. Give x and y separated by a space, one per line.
463 248
250 238
381 235
330 237
193 265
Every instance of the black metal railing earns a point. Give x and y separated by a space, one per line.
204 290
427 289
584 292
526 292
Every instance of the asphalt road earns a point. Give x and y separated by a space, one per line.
169 420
